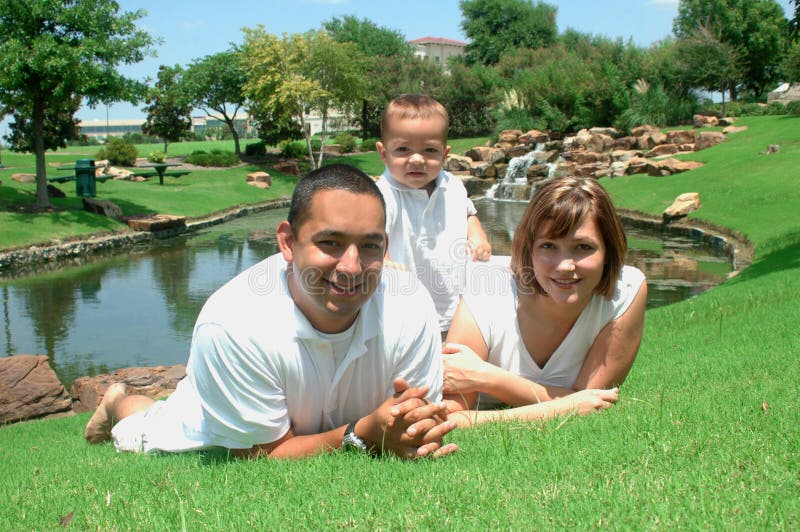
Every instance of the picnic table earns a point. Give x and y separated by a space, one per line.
160 169
83 175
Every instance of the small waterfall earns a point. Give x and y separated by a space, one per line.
515 186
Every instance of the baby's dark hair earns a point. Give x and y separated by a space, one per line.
332 177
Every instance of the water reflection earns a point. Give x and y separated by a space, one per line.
138 308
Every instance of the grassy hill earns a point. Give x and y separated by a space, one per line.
705 434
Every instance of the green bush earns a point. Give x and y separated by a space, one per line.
256 149
213 158
118 152
293 150
793 108
157 156
368 144
347 142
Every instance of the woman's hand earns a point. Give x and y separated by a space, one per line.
584 402
464 371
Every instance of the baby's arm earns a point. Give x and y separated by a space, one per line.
478 244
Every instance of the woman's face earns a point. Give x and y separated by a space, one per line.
569 268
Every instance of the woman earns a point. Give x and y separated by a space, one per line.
563 325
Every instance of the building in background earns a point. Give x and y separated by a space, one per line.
438 50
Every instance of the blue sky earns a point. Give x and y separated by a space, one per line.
193 29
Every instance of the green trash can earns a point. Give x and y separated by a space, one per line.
85 184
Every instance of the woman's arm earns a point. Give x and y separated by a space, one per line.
467 372
580 403
613 351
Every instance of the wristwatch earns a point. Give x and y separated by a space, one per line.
352 441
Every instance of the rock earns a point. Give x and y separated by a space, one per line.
638 165
589 157
625 155
479 153
554 145
511 136
651 139
610 131
727 120
457 163
773 148
734 129
476 186
156 222
704 120
683 205
24 178
29 389
54 192
156 383
536 171
707 139
662 149
259 184
483 170
500 169
680 136
517 151
534 136
262 179
598 143
287 167
628 143
674 166
503 146
618 169
641 130
591 170
104 207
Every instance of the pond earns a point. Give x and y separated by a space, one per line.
138 308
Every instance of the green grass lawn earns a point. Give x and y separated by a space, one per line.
705 435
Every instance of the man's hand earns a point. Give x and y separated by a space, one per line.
584 402
407 424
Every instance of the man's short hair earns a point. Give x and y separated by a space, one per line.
331 177
413 106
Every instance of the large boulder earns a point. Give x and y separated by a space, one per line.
707 139
680 136
705 120
457 163
628 143
24 178
156 222
510 136
259 179
610 131
288 167
650 139
662 149
104 207
29 389
482 153
483 170
734 129
534 136
156 383
683 205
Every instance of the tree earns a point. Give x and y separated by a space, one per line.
496 27
707 62
385 50
168 108
57 52
59 126
791 63
297 74
752 27
214 83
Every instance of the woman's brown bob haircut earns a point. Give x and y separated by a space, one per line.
565 203
413 106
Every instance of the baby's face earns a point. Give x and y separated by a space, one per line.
414 149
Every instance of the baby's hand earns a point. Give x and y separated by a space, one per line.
479 248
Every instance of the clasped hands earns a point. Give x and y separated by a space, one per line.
408 425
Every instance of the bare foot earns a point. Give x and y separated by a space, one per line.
98 429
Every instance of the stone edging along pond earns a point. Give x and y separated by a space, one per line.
18 260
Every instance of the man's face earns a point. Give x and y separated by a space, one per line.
414 149
336 256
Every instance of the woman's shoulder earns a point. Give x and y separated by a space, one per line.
489 285
628 284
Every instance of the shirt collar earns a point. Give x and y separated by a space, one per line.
441 181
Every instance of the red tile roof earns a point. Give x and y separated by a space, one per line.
437 40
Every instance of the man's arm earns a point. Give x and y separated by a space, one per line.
405 425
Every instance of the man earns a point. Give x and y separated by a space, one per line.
311 349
